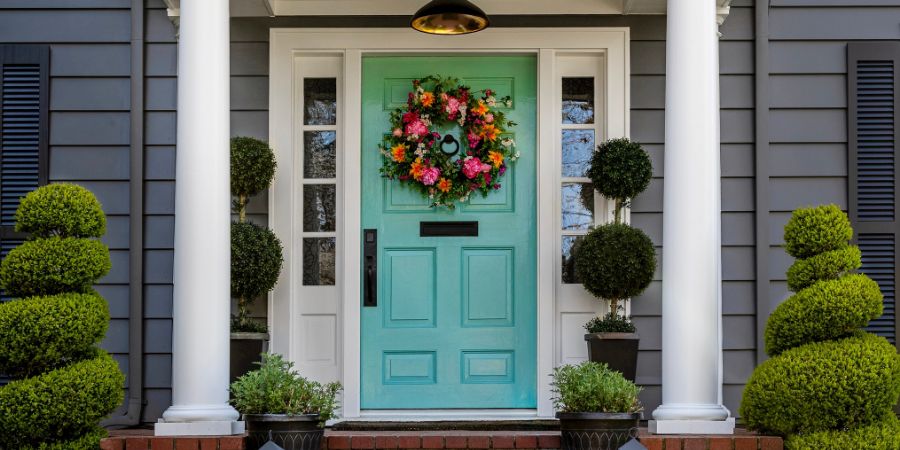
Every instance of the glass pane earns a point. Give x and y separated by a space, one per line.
319 154
318 207
577 149
569 244
319 101
578 100
577 206
318 261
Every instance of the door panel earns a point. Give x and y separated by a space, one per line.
455 324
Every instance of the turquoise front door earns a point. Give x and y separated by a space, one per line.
455 320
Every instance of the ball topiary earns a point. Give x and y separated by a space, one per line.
881 435
620 170
823 386
252 166
811 231
824 266
256 259
61 210
54 265
826 310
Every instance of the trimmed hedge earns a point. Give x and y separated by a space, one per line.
824 386
88 441
252 166
820 229
61 210
256 258
615 261
54 265
620 169
826 310
38 333
824 266
881 435
60 404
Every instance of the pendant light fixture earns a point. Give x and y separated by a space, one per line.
450 17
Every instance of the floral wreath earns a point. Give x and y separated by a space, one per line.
435 165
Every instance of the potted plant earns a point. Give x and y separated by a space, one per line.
616 261
256 253
278 404
597 408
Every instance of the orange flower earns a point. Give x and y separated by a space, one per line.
489 132
496 158
417 168
398 152
481 109
444 185
427 99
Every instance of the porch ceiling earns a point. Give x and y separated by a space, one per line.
258 8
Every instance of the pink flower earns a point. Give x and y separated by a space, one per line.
485 168
430 176
416 128
410 117
398 132
473 139
487 178
502 169
488 117
471 167
452 105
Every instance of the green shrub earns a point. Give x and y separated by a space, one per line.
824 386
881 435
824 266
610 323
820 229
39 333
276 388
620 169
54 265
615 261
61 209
826 310
60 404
252 166
256 260
87 441
593 387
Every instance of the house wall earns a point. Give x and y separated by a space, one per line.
805 152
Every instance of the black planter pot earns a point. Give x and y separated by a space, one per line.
618 350
597 431
245 351
290 432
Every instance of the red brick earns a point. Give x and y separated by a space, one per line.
232 443
389 442
209 444
721 443
479 442
162 443
338 442
187 444
526 441
672 444
362 442
652 442
694 443
137 443
503 442
455 441
745 443
551 441
409 442
112 444
432 442
771 443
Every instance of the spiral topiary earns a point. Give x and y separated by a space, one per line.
63 385
829 385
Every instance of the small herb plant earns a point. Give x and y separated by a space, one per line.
593 387
276 388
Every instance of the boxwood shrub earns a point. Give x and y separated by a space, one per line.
39 333
87 441
820 229
252 166
615 261
826 310
61 210
54 265
256 258
881 435
824 266
61 404
822 386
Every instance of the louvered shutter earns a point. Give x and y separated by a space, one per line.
873 74
24 126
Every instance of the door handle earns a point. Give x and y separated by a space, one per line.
370 280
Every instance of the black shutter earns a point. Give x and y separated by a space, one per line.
873 74
24 130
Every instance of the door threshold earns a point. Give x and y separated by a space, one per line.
424 420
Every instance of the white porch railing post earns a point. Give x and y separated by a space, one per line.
692 269
201 310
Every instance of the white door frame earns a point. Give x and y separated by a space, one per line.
351 44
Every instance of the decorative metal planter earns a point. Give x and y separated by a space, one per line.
597 431
289 432
245 351
618 350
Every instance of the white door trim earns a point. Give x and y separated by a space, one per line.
352 44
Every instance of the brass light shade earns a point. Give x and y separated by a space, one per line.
450 17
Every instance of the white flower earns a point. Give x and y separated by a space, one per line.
420 90
509 103
508 142
462 109
462 121
464 198
491 101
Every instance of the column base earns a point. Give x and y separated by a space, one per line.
210 428
691 426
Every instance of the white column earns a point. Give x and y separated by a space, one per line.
692 269
201 310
